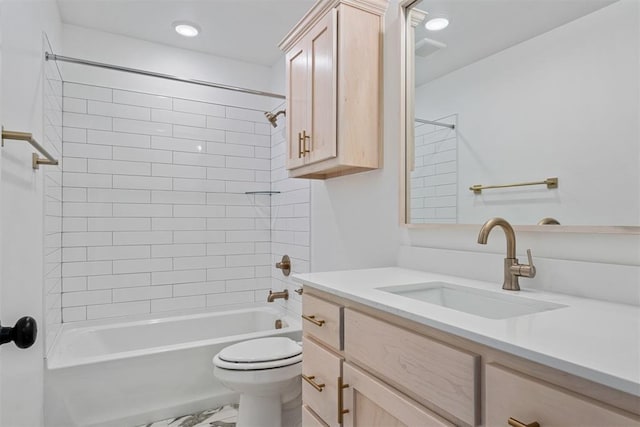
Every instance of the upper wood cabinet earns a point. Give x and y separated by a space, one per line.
334 96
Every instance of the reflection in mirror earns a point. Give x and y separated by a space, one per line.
542 94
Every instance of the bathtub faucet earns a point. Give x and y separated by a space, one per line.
275 295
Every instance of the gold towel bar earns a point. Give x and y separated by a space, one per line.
549 182
25 136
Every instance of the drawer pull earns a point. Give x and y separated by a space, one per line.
341 410
313 320
515 423
310 379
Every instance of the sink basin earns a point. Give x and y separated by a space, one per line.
490 305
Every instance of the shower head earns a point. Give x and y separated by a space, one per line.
274 117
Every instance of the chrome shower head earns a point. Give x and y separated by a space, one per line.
274 117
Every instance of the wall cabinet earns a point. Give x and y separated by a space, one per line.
371 369
333 75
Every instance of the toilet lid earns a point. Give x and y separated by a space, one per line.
261 350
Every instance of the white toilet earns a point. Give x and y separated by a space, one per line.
267 373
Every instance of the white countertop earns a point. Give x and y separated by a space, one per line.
592 339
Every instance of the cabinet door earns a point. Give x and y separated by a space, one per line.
371 403
297 102
322 64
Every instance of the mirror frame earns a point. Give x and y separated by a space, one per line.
409 19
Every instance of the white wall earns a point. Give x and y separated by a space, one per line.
22 202
563 104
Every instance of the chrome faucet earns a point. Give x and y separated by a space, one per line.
512 269
275 295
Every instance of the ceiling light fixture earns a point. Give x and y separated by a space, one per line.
436 24
186 29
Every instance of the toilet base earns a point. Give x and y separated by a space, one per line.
259 411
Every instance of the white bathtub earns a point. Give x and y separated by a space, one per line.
131 373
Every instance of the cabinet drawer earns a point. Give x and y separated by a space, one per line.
322 320
509 394
309 419
429 371
325 368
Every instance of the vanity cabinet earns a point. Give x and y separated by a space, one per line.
378 369
333 78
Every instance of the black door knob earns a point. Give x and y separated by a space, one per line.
23 334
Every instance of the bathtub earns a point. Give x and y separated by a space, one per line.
130 373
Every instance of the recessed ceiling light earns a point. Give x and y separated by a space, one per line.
436 24
187 29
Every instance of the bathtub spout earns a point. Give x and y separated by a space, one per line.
275 295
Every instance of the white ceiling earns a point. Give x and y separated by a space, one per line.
248 30
479 28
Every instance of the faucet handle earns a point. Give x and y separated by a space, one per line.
528 270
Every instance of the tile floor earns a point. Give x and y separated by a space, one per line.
225 416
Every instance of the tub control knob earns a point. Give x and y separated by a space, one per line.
23 334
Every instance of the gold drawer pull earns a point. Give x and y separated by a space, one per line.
313 320
310 380
341 410
515 423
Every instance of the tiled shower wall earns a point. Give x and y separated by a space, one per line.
290 210
154 216
434 179
52 104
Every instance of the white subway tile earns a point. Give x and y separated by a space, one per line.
77 90
73 299
198 236
87 210
142 210
88 268
230 273
86 121
180 171
161 251
73 164
263 176
225 199
230 248
243 187
247 260
196 107
118 196
262 129
177 144
262 248
200 134
231 224
119 224
141 99
74 224
263 153
203 288
178 197
118 110
179 224
247 236
74 254
180 303
74 284
230 150
141 293
248 284
119 281
198 159
117 252
141 155
74 314
75 105
74 135
229 124
131 140
142 265
71 194
248 163
72 149
245 114
143 127
178 118
141 237
115 167
207 186
171 277
198 211
226 174
196 262
141 182
246 139
249 212
229 298
118 309
86 239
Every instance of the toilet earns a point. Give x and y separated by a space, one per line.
267 374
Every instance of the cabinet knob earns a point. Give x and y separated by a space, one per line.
23 333
515 423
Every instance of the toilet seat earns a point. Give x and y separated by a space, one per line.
259 354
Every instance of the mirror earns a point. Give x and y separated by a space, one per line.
513 92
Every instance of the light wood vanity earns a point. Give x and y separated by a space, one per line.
334 78
365 367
